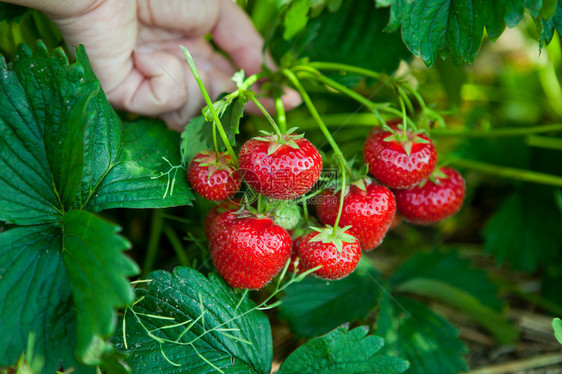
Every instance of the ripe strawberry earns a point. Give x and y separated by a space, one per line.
248 251
438 198
212 177
217 210
282 169
338 254
397 163
368 211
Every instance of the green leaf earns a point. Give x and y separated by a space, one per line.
525 231
214 335
313 306
36 297
63 147
451 269
551 23
495 24
548 9
557 326
509 151
10 12
196 138
295 18
514 12
451 280
98 274
198 134
133 182
32 126
534 6
342 351
412 331
351 35
121 161
454 28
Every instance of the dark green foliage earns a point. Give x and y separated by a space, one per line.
65 151
352 35
314 306
525 231
343 351
11 12
214 332
455 28
412 331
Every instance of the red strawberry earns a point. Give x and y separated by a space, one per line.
397 163
369 212
438 198
248 251
217 210
338 254
283 169
212 177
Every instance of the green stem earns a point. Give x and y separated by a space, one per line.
343 67
176 243
305 211
251 80
496 133
530 297
215 142
267 115
511 173
404 135
544 142
342 196
416 94
372 106
281 117
210 105
401 93
338 86
312 109
153 241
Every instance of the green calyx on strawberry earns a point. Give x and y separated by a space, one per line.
399 159
277 141
336 251
336 236
281 167
213 176
248 251
368 207
440 197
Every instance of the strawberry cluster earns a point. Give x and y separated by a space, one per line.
249 247
405 161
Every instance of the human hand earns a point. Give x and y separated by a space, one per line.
133 46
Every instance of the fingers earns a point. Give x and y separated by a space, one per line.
216 82
154 85
188 17
237 36
108 31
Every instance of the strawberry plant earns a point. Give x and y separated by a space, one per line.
403 198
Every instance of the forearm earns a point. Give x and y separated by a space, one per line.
57 8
